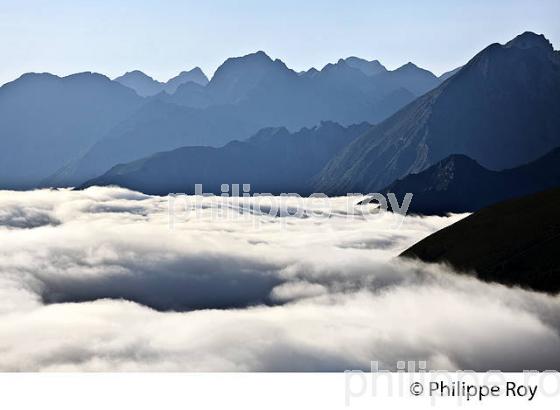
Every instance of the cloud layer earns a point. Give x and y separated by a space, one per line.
97 280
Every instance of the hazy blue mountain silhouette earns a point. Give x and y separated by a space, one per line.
156 126
272 161
410 77
349 91
237 77
449 74
246 94
460 184
502 109
309 73
367 67
514 242
143 84
146 86
196 76
45 121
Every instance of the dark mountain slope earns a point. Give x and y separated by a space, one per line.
272 161
45 121
501 109
514 242
459 184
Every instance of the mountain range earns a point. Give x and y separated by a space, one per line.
146 86
460 184
46 121
62 131
343 92
245 95
428 128
273 161
501 109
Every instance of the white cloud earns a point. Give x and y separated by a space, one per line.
79 272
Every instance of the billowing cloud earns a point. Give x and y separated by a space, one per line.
97 280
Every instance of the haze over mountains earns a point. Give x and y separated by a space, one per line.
457 183
273 161
256 82
247 94
146 86
367 67
485 132
63 131
46 121
501 109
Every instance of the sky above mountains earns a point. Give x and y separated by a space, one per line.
165 37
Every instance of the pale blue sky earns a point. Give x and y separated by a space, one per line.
164 37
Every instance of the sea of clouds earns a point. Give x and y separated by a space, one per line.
107 279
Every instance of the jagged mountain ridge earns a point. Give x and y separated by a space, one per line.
501 109
245 94
272 161
459 184
146 86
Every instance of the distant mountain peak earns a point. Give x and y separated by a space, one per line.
87 76
256 56
257 59
408 66
261 53
237 76
145 86
34 76
339 65
326 124
196 75
411 68
194 70
530 40
266 134
312 72
370 68
444 171
44 77
136 73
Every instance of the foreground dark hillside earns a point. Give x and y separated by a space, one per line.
516 242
